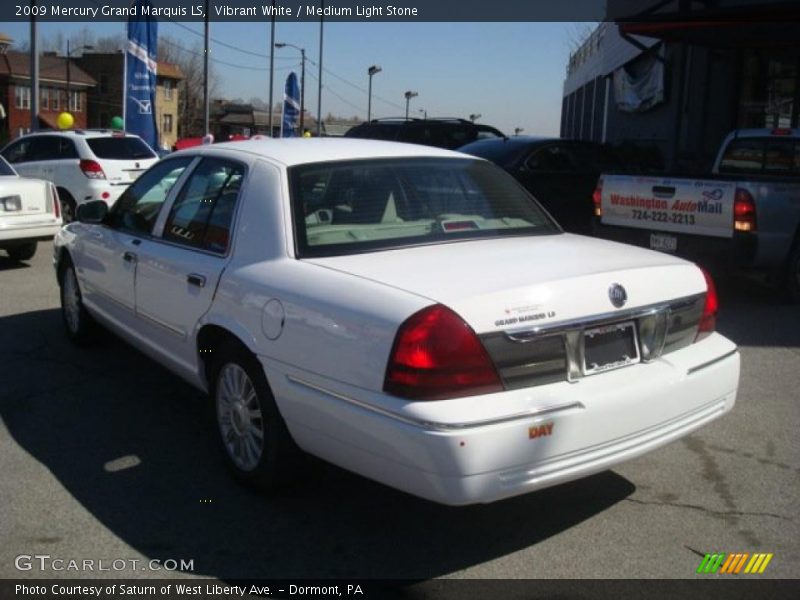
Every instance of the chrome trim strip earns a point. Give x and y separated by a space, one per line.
525 335
433 425
711 362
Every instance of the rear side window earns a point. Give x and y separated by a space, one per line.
203 213
772 156
120 148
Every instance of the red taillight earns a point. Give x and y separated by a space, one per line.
597 198
781 131
708 321
744 211
436 356
92 169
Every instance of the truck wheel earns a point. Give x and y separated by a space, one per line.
793 274
257 446
22 252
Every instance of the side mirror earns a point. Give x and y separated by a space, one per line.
94 211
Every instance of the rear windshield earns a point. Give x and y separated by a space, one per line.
767 155
120 148
367 205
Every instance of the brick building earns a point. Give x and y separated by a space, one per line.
15 91
105 100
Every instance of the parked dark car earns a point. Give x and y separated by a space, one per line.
561 174
441 133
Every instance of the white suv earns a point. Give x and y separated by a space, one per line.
84 164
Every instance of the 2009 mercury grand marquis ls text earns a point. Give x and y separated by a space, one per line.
407 313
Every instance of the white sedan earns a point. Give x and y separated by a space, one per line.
407 313
29 213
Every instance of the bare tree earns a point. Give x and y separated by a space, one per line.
190 62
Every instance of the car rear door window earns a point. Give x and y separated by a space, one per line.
203 212
45 147
137 209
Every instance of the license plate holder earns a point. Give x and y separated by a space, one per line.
663 242
610 347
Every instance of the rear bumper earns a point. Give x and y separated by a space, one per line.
738 252
30 231
527 440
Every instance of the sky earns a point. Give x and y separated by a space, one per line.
510 73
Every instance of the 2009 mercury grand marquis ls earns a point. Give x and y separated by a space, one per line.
407 313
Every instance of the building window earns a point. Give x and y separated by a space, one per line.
166 124
74 101
55 99
22 97
23 131
44 99
168 87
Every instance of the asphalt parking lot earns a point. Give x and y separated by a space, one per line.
105 455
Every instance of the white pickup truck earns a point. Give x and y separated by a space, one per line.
745 215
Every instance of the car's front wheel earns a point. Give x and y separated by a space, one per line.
78 323
255 441
22 252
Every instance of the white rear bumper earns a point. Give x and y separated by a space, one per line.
26 229
432 451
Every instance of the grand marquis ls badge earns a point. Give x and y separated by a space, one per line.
617 295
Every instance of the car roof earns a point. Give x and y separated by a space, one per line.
297 151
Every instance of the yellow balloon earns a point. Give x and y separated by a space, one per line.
65 120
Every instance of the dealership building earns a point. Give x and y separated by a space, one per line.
673 77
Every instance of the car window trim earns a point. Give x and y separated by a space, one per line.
166 208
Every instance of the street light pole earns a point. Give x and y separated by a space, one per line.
302 82
475 116
409 95
371 71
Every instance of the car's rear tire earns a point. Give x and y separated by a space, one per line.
69 207
252 435
78 323
22 251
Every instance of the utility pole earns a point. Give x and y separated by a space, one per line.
34 71
319 79
206 125
271 66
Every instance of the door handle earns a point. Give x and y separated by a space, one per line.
129 257
196 279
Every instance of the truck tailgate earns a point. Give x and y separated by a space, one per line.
692 206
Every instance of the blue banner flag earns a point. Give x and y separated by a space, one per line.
291 107
140 74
